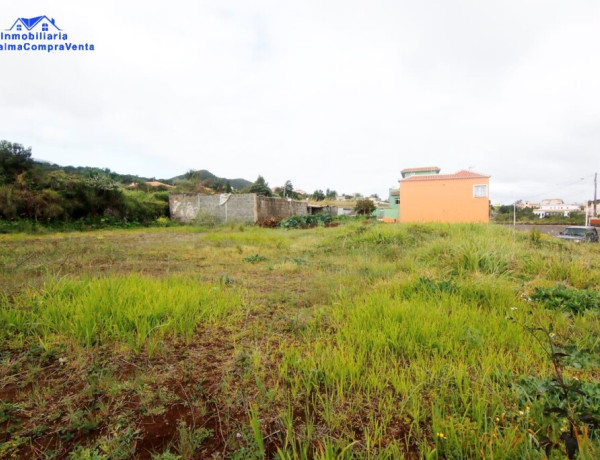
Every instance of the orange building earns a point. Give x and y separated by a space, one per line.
460 197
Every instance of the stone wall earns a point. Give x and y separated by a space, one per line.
248 207
318 209
186 207
279 208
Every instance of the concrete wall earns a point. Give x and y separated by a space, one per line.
316 209
185 207
278 208
246 207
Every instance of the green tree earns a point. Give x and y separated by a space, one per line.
192 175
287 191
505 209
318 195
260 187
14 160
364 207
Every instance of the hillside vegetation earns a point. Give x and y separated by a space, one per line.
36 193
37 196
359 341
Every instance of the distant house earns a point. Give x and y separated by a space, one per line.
522 204
152 184
389 213
427 196
322 209
555 207
592 208
155 183
345 210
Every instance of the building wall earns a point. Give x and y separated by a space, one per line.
278 208
185 207
247 207
443 200
329 209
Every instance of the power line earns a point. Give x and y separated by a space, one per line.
561 186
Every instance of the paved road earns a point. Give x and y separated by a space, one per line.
553 230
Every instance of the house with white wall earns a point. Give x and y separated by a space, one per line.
555 207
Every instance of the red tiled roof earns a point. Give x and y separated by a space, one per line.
154 183
459 175
427 168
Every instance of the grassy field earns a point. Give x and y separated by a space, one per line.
359 341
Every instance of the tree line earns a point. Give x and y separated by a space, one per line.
44 193
47 193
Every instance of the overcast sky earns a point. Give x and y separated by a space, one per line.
328 94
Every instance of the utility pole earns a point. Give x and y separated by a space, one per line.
595 189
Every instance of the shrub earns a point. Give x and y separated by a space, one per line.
567 299
205 219
317 220
364 207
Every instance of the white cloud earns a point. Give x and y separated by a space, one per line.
325 93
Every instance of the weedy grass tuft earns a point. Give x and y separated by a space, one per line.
134 310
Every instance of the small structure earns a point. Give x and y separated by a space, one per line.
322 209
425 171
522 204
554 207
592 208
245 207
345 210
427 196
390 211
150 184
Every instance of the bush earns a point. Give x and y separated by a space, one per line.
161 196
205 219
574 301
317 220
142 207
364 207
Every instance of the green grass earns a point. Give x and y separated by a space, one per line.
358 341
134 310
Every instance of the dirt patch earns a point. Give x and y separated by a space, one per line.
155 396
157 431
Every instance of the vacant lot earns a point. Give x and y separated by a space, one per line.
360 341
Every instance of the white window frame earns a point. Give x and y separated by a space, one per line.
477 193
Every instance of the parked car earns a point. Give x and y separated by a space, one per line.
579 234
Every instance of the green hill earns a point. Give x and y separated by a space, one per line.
203 175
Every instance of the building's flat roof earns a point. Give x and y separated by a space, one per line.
426 168
459 175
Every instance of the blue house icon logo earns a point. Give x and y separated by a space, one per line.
37 24
39 34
